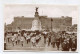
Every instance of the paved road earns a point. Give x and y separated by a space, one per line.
40 46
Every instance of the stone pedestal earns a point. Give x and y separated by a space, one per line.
36 25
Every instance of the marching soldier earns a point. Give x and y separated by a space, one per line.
18 41
64 46
53 41
68 47
37 38
22 40
49 37
62 39
45 36
70 41
28 38
13 39
58 42
73 48
76 41
33 40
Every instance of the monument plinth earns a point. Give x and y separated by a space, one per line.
36 23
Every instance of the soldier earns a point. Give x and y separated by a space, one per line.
13 39
28 38
45 36
58 42
5 35
8 37
37 38
76 41
73 48
64 46
33 40
16 38
53 41
47 41
62 39
70 41
18 41
25 34
22 40
68 47
49 37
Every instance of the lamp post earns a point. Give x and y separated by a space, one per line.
51 23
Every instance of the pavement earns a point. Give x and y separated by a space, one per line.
39 47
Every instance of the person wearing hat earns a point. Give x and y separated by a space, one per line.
58 42
37 38
49 37
53 41
73 46
68 44
45 37
19 36
64 45
28 38
70 41
33 40
62 39
22 40
76 41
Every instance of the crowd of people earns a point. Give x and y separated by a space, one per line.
65 41
20 37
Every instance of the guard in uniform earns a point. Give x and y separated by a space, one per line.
64 46
62 39
73 48
49 37
58 42
53 41
22 40
68 47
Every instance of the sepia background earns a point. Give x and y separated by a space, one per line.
65 2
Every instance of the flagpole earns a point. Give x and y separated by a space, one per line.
51 24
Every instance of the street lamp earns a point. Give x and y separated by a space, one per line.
51 23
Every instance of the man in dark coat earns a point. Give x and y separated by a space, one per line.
53 41
73 46
76 41
70 41
45 36
58 42
68 44
64 46
49 36
62 39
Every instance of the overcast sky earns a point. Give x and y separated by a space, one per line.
10 11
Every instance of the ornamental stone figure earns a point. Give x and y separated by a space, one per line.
36 13
36 9
36 23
